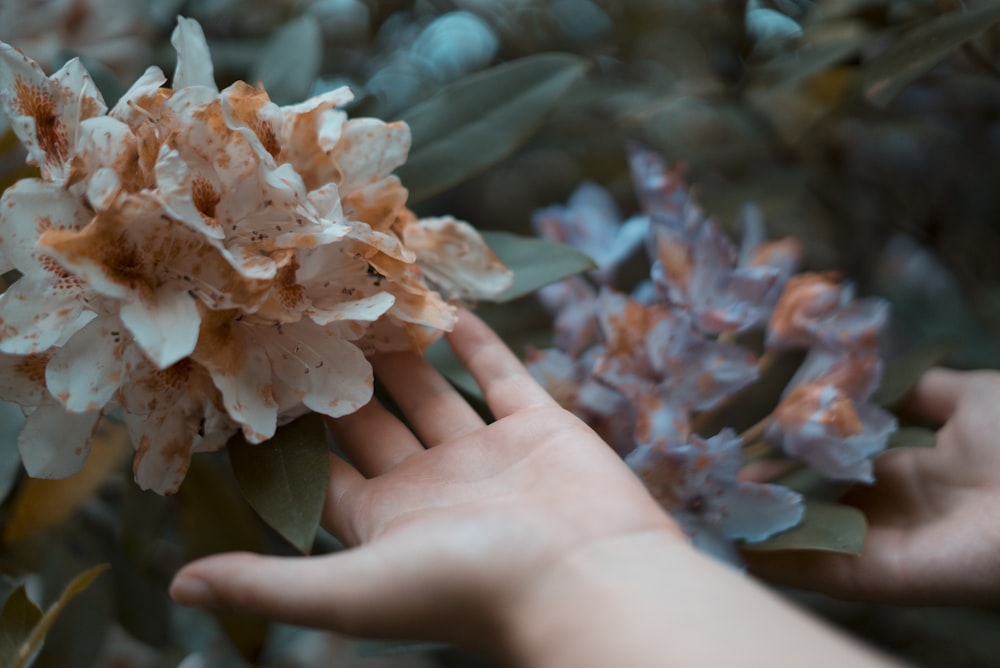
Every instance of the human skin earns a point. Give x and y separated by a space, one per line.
527 538
933 537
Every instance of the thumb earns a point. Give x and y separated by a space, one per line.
347 592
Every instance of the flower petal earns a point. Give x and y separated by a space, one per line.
45 113
131 107
368 150
163 444
165 326
34 316
456 259
331 375
239 367
22 378
755 512
194 60
85 373
54 442
366 309
28 209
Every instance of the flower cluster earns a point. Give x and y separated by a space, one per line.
641 367
206 261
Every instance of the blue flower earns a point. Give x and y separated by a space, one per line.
825 417
696 482
592 223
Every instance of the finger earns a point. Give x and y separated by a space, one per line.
505 382
349 592
373 439
436 412
935 395
337 515
824 572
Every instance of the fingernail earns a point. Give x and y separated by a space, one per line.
191 591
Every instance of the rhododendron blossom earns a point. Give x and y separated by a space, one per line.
207 261
695 480
825 416
643 368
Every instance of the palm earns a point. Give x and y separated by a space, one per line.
931 535
444 512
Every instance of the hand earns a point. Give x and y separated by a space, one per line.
934 532
451 524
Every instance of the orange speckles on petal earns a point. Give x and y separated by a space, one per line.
268 137
205 196
123 262
290 294
41 106
64 280
174 377
32 368
43 224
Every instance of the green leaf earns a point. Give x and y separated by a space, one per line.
37 634
912 437
141 603
920 50
8 141
18 617
535 262
821 48
811 484
826 526
372 648
479 120
902 372
289 63
215 518
285 478
76 638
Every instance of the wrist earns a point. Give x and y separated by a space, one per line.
562 618
650 599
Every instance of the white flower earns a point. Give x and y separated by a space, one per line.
208 261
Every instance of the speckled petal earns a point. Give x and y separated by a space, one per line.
28 209
45 113
163 443
242 373
85 373
104 142
131 107
34 316
367 309
22 378
456 259
330 375
368 150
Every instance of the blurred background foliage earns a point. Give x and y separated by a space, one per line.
869 129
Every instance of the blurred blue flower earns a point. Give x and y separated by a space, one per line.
696 482
826 419
818 310
591 222
655 349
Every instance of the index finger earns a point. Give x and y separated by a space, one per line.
506 384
